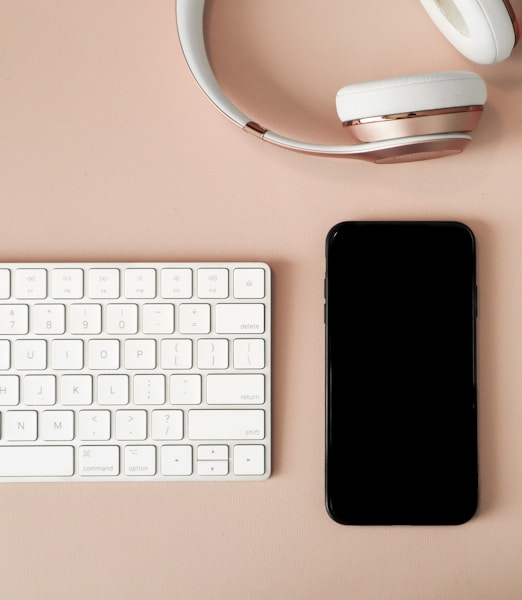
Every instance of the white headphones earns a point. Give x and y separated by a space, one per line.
399 119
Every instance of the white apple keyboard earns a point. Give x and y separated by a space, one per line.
135 371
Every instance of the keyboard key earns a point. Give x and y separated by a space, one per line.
212 283
122 318
249 354
176 354
149 389
185 389
167 424
85 318
176 460
158 318
176 283
76 390
14 319
131 424
194 318
212 354
235 389
67 355
67 283
20 425
30 354
140 283
113 389
36 461
249 283
98 461
140 460
104 354
212 467
39 390
94 425
104 283
9 390
249 460
226 424
57 425
48 319
208 452
5 355
5 284
140 354
240 318
31 283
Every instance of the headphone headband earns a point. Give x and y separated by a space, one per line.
189 16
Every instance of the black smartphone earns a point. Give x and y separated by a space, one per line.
401 385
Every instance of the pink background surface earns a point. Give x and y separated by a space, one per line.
109 151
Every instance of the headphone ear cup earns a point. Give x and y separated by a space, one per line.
485 31
413 105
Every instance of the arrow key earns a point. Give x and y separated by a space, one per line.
249 459
176 460
211 452
212 467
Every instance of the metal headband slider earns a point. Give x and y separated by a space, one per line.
255 129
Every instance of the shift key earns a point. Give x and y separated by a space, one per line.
226 424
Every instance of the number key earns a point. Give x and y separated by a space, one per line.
85 318
49 318
122 318
14 319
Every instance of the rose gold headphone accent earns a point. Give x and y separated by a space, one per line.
255 129
424 122
424 151
513 18
419 113
413 150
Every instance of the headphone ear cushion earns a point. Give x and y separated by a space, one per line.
485 31
413 105
414 93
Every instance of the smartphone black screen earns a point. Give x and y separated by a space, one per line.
401 425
